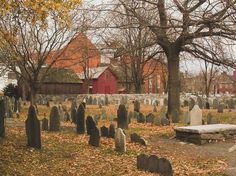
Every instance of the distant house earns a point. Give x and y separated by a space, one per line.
6 77
99 80
226 83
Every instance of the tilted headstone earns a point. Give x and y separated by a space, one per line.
90 125
112 131
196 116
80 120
2 118
94 138
141 118
54 124
122 120
150 118
32 126
44 124
120 140
104 131
142 162
136 106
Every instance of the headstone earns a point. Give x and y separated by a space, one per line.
153 165
220 108
207 105
215 104
67 116
112 131
211 119
122 120
185 103
191 103
150 118
141 118
120 140
231 104
196 116
94 101
135 137
104 131
44 124
142 162
165 167
80 116
2 118
32 126
136 106
54 119
73 115
199 102
90 125
94 138
165 121
186 117
106 100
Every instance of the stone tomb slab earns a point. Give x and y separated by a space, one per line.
203 134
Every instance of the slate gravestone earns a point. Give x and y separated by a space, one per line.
153 165
142 162
104 131
220 108
80 118
150 118
2 118
111 131
84 104
136 138
44 124
94 138
90 100
90 125
211 119
165 167
73 115
231 104
196 116
207 105
122 120
94 101
165 121
215 104
141 118
54 124
136 106
136 114
199 102
32 126
67 116
191 103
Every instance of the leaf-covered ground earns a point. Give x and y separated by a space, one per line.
66 153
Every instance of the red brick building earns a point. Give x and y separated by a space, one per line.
226 83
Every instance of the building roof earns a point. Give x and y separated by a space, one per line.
93 73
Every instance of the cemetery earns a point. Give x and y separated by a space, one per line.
112 139
117 88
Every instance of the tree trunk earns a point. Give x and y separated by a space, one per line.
173 86
33 96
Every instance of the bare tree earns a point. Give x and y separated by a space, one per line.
33 36
179 27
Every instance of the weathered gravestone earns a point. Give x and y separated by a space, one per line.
120 140
142 162
185 103
154 108
220 108
136 106
54 119
207 105
80 116
67 116
122 120
94 138
196 116
44 124
215 104
32 126
141 118
153 165
211 119
165 121
2 118
200 102
90 125
231 104
138 139
112 131
150 118
104 131
165 167
191 103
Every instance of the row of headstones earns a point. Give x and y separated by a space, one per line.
154 164
96 101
